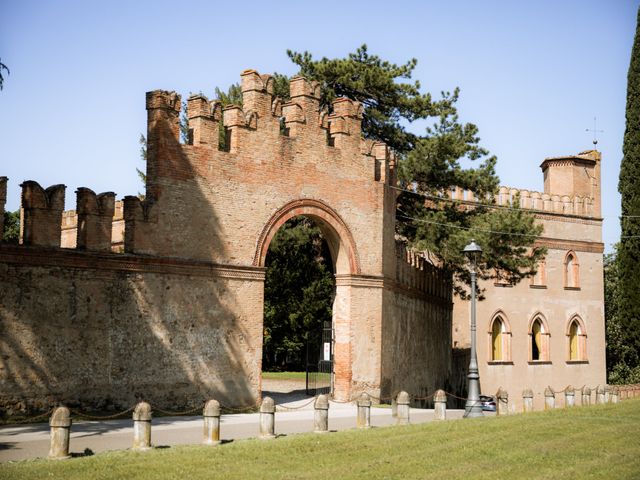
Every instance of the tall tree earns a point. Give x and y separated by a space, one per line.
628 308
620 353
430 164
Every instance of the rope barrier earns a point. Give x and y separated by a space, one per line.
295 408
178 414
31 419
78 413
282 408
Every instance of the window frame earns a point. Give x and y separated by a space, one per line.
505 339
544 353
571 271
580 340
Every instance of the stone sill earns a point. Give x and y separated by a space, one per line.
539 362
578 362
503 285
538 286
572 288
500 362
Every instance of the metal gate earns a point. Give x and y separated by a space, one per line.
320 363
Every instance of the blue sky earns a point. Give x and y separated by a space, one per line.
532 75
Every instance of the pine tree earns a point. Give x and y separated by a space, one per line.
628 309
431 164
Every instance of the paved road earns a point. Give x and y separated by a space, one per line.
30 441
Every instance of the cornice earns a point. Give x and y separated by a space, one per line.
43 257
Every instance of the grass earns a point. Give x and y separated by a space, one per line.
301 376
284 375
600 441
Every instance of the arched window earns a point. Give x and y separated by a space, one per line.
539 280
538 340
571 271
499 339
577 340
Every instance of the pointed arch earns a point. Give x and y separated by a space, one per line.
538 338
576 334
499 336
571 268
539 280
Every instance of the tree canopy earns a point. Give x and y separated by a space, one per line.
11 232
299 290
448 154
628 299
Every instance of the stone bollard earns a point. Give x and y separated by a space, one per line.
586 396
549 399
142 426
527 400
403 408
440 405
60 423
364 411
267 418
321 414
569 397
615 395
607 394
211 415
600 395
502 399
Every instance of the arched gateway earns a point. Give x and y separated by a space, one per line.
186 317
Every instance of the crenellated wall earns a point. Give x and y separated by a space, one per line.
532 200
417 328
177 317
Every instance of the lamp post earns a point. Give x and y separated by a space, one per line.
473 408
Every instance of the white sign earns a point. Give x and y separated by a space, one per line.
327 351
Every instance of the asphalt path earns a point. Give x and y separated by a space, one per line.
32 441
294 415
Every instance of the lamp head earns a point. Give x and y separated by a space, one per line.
472 250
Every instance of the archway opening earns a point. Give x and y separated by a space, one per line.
298 307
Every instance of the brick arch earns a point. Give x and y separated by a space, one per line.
341 243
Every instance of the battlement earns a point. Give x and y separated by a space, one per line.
95 217
139 220
531 200
414 272
45 223
42 214
262 118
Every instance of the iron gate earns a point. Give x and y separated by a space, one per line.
320 363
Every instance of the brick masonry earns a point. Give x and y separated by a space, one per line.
177 318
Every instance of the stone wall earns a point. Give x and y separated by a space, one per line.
108 330
416 329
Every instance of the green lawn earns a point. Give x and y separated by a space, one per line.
284 375
601 441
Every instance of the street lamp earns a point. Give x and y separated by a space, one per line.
473 408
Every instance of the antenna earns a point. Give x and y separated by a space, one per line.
595 134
